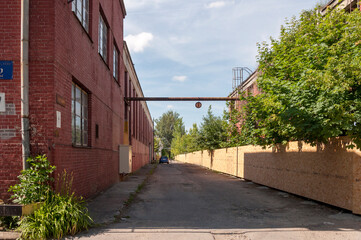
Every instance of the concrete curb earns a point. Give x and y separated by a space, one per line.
9 235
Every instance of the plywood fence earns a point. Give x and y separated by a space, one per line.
327 173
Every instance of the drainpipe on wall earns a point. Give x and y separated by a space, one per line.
25 81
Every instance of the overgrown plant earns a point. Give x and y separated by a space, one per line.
60 215
35 181
62 212
64 183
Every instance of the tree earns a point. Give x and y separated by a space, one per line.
164 129
178 145
310 80
185 142
156 145
192 139
212 133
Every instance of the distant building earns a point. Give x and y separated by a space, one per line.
247 87
348 5
138 123
64 73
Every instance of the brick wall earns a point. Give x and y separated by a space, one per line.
62 52
77 60
10 124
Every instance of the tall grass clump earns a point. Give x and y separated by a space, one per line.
59 216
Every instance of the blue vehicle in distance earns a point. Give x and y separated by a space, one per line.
164 159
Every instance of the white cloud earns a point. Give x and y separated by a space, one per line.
131 4
137 43
217 4
179 78
136 5
179 40
170 106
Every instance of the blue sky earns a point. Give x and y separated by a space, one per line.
188 48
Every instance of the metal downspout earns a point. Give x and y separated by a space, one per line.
25 81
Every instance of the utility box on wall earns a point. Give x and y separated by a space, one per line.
125 159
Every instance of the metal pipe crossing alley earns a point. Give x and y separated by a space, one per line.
171 99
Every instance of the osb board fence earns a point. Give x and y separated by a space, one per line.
327 173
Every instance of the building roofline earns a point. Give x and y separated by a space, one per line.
123 8
250 78
344 4
136 82
328 4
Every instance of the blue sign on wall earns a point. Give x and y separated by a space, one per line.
6 70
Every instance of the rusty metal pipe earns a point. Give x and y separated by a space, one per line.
171 99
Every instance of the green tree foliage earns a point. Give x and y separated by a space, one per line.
185 142
212 132
156 145
192 139
165 127
178 144
232 122
311 82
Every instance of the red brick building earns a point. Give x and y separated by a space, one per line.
247 87
62 87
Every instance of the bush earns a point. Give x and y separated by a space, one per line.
60 215
34 181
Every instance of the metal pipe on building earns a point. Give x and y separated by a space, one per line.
25 81
181 99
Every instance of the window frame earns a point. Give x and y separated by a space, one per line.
116 55
79 115
83 15
103 38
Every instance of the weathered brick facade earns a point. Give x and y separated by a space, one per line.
62 52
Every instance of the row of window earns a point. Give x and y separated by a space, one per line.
81 10
80 119
79 96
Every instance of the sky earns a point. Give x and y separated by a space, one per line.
188 48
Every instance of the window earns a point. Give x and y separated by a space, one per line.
116 63
79 110
103 35
81 10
